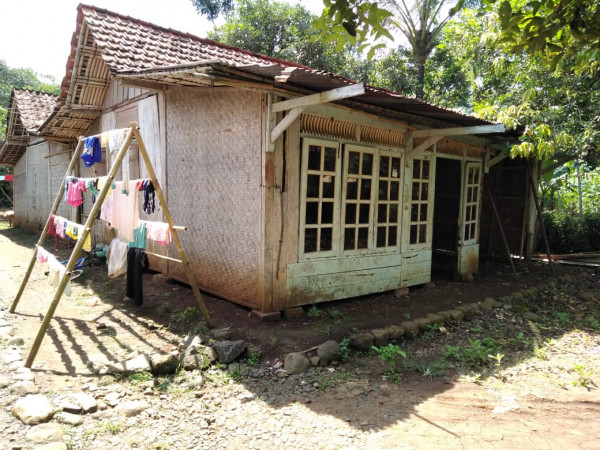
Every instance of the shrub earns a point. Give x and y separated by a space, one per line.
567 233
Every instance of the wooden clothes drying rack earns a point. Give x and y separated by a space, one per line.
132 133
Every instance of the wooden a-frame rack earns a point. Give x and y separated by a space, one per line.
133 132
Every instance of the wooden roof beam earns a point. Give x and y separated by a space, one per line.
458 131
322 97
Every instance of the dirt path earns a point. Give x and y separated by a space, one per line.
534 397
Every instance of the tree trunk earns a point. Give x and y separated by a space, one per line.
420 78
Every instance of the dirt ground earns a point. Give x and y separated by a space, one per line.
497 380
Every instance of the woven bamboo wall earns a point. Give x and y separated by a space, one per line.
19 198
214 187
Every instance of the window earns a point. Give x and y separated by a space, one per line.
320 191
471 202
388 202
358 186
419 203
350 199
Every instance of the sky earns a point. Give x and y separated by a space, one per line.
36 34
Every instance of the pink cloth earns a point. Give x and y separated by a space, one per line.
43 255
125 210
76 186
158 232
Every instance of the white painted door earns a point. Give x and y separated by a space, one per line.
468 244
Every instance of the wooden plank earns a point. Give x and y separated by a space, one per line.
318 282
340 265
322 97
458 131
285 123
414 153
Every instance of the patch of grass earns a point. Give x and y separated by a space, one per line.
345 349
562 319
273 342
431 331
183 318
253 358
431 369
336 315
140 377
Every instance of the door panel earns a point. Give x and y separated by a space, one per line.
468 246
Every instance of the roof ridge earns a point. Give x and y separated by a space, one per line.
36 91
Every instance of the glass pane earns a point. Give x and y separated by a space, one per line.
363 237
476 177
326 240
393 236
394 190
328 186
426 170
350 213
468 213
349 239
327 212
352 188
381 236
414 212
364 213
424 191
423 215
382 214
314 157
395 168
471 175
475 192
415 191
312 211
467 230
383 190
367 165
312 186
384 166
473 231
422 234
353 162
393 213
416 169
413 234
329 162
474 213
365 190
310 240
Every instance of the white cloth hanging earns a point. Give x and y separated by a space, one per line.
117 258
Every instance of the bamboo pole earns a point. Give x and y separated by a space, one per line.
77 250
57 200
174 233
539 214
506 247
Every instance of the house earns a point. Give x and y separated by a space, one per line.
296 186
39 164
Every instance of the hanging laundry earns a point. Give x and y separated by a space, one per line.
159 232
137 262
117 258
104 140
51 227
115 140
43 255
125 212
74 187
92 151
57 271
149 197
139 236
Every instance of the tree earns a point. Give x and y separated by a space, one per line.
554 29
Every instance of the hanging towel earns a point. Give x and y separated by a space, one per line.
104 140
117 258
92 152
51 227
43 255
57 271
159 232
139 236
125 212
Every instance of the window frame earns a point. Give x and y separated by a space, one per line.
466 203
408 203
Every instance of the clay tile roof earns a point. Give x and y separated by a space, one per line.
33 107
128 44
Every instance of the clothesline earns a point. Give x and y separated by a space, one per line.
61 227
83 138
57 269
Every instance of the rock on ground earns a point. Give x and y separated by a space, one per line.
33 409
296 363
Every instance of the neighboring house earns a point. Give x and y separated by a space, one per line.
39 164
290 199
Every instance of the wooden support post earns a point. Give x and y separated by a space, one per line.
497 216
78 246
539 214
6 195
57 200
174 233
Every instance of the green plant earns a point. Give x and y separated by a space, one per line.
336 315
406 316
140 377
389 355
477 329
432 330
584 374
313 312
202 329
432 369
593 323
453 352
497 358
183 318
273 342
253 358
561 318
345 349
